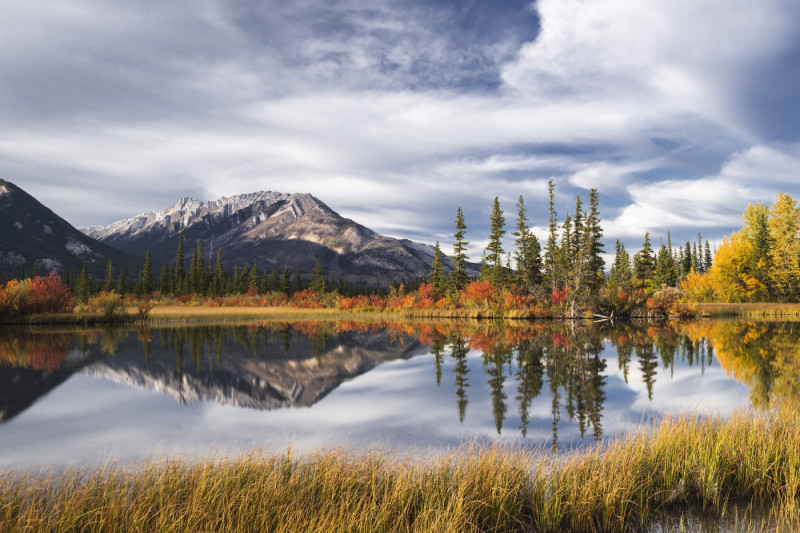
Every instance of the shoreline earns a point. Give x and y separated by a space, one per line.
170 314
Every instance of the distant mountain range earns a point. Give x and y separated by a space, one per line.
275 229
33 237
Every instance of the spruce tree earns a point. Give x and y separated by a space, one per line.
253 279
493 254
275 279
700 263
318 283
688 261
82 287
708 258
196 282
578 260
164 281
179 274
234 287
621 274
564 255
109 283
219 282
644 262
122 285
528 252
664 274
436 277
591 248
298 281
286 285
459 278
551 249
147 274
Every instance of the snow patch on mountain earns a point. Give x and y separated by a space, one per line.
77 248
11 259
48 264
4 190
184 213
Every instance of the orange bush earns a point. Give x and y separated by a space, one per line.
480 292
38 295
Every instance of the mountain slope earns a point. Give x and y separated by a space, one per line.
32 235
274 229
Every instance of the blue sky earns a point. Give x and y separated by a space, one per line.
680 112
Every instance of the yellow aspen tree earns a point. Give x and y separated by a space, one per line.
784 223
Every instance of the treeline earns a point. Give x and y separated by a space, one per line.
564 275
758 263
202 278
569 271
656 270
569 264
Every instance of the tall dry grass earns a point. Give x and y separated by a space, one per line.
747 310
703 464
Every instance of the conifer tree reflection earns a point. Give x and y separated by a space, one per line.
437 349
494 362
624 353
530 371
459 352
647 366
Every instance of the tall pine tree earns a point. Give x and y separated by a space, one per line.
551 249
528 253
459 278
591 248
437 278
620 275
644 263
493 254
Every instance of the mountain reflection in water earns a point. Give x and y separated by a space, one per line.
518 371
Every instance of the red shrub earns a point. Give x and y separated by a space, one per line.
559 296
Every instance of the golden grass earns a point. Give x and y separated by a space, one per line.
748 310
688 462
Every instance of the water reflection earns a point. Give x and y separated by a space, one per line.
763 355
511 373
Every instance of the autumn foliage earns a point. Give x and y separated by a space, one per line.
37 295
758 263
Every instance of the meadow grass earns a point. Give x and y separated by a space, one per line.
702 463
746 310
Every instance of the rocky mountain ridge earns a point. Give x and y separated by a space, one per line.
275 230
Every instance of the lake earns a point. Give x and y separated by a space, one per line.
87 396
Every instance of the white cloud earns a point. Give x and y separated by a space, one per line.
361 105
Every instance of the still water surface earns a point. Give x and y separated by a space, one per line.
84 396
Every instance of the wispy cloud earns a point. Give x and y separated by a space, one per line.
395 115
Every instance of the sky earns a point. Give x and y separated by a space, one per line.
395 113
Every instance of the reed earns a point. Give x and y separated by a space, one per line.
705 464
747 310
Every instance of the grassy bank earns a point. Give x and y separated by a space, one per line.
178 314
682 463
746 310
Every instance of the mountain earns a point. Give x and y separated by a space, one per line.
274 229
31 235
